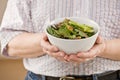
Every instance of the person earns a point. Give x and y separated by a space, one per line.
22 36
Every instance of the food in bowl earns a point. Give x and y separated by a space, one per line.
74 42
69 29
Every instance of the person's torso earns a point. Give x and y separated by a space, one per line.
105 12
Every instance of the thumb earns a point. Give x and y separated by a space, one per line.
44 36
99 40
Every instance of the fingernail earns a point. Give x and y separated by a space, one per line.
68 60
79 55
87 59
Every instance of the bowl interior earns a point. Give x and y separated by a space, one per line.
73 46
80 20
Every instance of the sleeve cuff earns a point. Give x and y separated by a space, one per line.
5 40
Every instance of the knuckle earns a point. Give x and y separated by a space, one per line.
51 48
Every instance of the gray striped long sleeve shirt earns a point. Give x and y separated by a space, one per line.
31 15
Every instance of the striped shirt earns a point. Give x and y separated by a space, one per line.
31 15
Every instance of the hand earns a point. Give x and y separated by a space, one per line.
50 49
96 50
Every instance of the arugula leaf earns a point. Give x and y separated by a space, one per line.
69 29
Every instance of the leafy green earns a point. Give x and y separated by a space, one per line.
69 29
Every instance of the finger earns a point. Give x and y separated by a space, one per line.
89 59
90 54
61 59
66 57
74 58
44 36
45 44
47 52
57 55
44 50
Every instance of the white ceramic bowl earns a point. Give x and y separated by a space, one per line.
73 46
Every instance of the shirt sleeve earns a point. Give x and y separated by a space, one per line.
16 20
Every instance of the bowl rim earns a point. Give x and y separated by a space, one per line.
98 28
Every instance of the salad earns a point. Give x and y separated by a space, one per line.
69 29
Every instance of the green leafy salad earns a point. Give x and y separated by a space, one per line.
69 29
